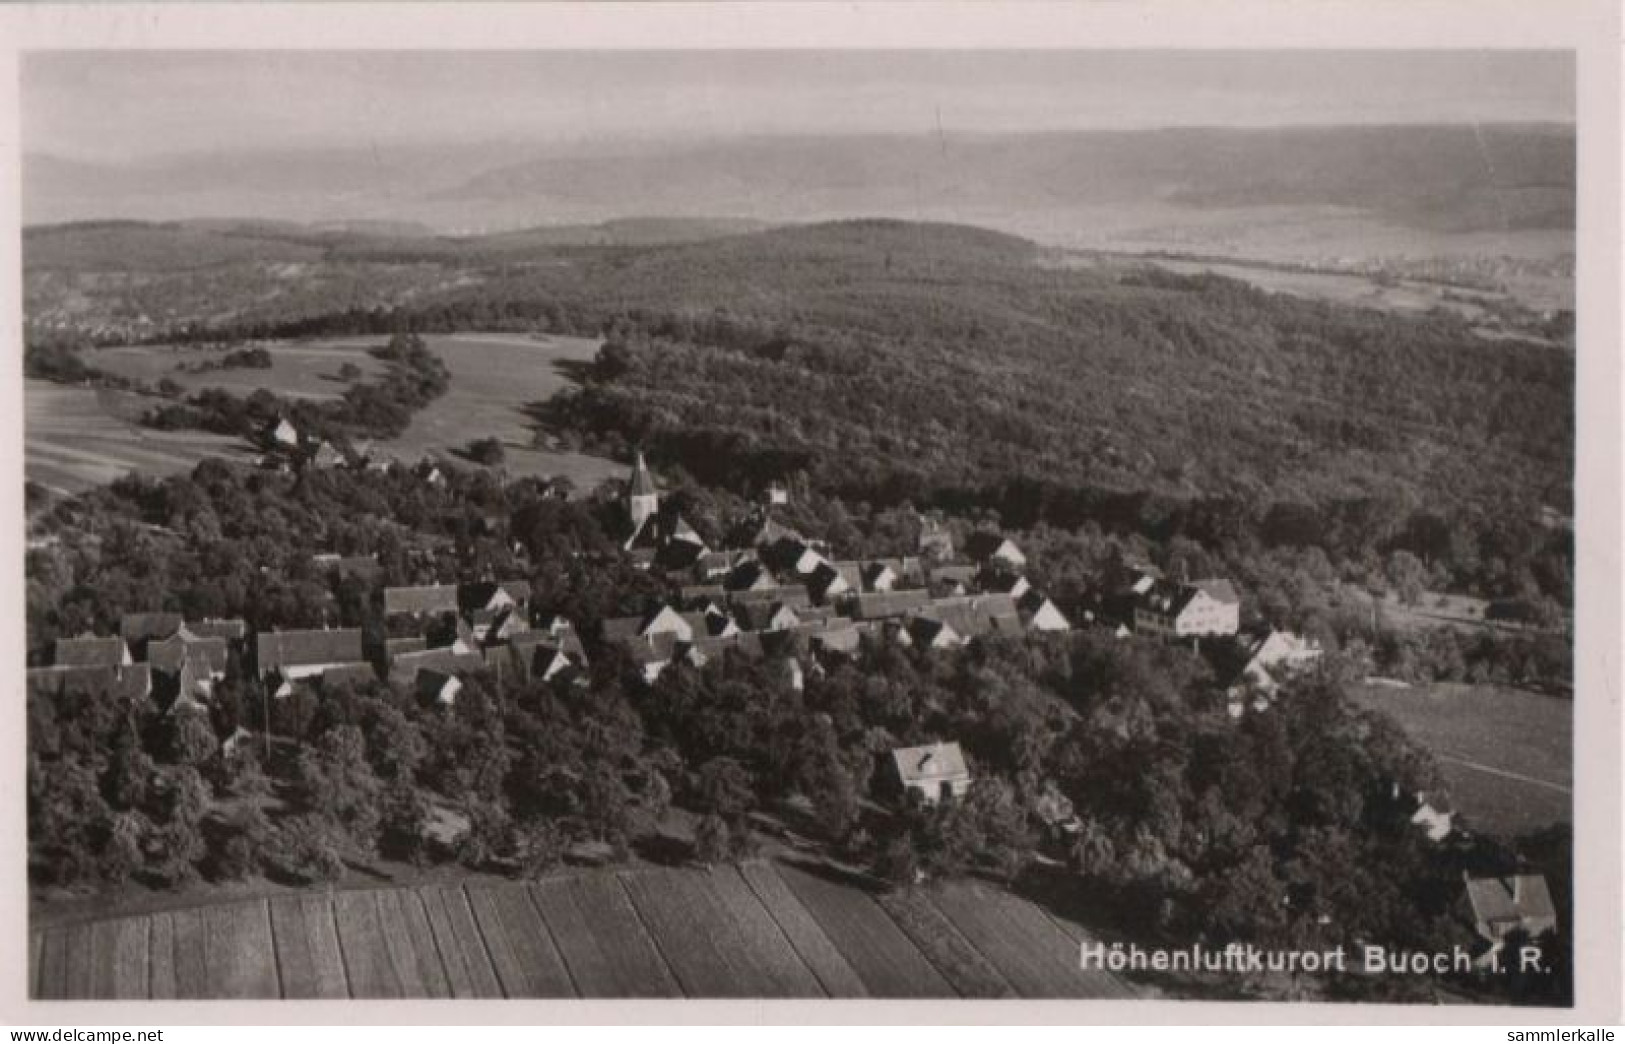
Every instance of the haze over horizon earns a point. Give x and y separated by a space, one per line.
1049 144
127 107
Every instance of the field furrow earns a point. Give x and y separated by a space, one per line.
239 956
411 944
161 958
307 948
527 962
603 943
766 945
889 964
675 907
811 944
1034 955
457 938
367 964
960 962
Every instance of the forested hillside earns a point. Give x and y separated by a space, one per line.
952 366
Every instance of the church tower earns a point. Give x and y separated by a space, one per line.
642 498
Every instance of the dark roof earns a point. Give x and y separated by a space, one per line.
90 651
973 615
756 616
405 667
747 575
142 627
879 604
359 673
211 654
411 643
982 544
113 682
432 598
656 648
1219 590
306 648
478 595
748 645
231 630
793 595
621 628
1520 899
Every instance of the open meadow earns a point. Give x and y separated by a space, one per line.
494 376
763 929
82 437
298 370
1506 754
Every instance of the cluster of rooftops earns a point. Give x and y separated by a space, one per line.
775 593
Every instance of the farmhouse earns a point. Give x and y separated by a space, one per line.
1271 656
1504 905
1038 613
1188 610
971 616
112 682
303 654
935 772
403 669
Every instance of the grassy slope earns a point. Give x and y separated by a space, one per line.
1479 732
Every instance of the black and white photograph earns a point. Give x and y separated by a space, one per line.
832 523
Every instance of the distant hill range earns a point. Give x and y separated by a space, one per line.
1078 188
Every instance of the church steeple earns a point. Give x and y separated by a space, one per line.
642 496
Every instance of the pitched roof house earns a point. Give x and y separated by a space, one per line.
934 772
1503 905
302 654
766 616
137 629
974 615
325 455
1272 655
403 669
209 656
1038 613
1203 607
879 605
423 600
89 650
114 682
992 548
282 433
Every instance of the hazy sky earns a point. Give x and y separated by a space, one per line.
132 105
